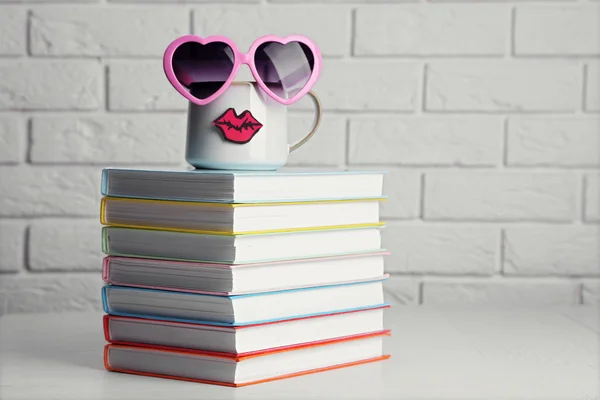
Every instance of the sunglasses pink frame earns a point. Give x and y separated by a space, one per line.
239 59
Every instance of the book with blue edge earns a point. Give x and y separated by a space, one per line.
233 264
285 184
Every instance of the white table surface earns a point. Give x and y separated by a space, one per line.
460 354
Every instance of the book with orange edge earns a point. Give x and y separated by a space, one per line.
236 370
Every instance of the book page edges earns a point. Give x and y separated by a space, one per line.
242 293
235 328
240 233
257 204
329 368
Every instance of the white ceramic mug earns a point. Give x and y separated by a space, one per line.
243 129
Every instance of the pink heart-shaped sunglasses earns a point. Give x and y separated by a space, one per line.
201 69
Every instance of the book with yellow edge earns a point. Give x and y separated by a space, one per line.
253 218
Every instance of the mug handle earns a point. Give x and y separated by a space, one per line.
317 104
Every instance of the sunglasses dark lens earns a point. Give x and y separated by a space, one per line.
284 68
203 69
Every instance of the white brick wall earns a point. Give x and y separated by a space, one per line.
425 30
12 22
560 142
442 250
12 139
591 212
508 292
503 86
115 138
244 23
485 114
36 84
500 196
444 141
570 250
368 85
140 85
592 89
540 30
65 30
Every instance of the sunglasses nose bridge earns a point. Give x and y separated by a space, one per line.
244 59
245 74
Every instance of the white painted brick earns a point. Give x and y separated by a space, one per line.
495 86
244 24
137 138
565 250
42 191
50 85
92 31
403 189
426 141
328 145
501 292
557 30
500 196
339 1
401 291
544 141
496 1
592 198
12 139
366 85
12 245
426 30
13 22
49 1
54 293
65 245
591 292
185 1
441 250
592 89
141 85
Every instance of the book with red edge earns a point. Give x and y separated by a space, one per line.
244 339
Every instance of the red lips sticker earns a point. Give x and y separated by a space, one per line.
235 128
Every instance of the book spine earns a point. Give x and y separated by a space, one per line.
105 241
103 211
104 183
105 301
105 268
106 327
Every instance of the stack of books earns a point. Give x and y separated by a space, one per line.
237 278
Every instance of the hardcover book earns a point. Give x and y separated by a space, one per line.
197 217
236 279
248 309
234 370
242 340
285 184
223 248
